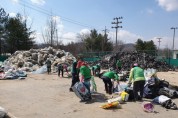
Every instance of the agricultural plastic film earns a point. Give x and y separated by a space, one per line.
148 73
2 112
41 70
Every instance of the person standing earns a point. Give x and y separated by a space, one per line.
85 77
137 78
118 65
60 69
65 68
48 64
75 77
106 77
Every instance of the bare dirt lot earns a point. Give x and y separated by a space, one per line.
48 96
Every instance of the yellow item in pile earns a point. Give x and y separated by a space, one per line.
110 105
124 96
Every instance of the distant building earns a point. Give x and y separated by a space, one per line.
175 54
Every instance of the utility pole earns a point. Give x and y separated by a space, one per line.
105 36
159 45
174 28
117 25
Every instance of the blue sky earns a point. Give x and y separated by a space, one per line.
145 19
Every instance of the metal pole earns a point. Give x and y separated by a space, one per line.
116 27
159 43
158 46
174 28
116 36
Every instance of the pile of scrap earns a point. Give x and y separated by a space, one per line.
34 59
128 58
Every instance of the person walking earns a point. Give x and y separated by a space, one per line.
60 69
85 76
75 77
106 77
137 78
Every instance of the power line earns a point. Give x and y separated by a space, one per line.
38 9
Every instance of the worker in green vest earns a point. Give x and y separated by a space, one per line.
137 78
106 77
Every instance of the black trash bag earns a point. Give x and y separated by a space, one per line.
167 92
129 90
169 104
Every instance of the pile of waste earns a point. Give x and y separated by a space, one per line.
34 59
129 58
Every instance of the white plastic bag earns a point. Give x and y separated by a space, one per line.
2 112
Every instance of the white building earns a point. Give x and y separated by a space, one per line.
175 54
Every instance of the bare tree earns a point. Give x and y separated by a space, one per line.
50 37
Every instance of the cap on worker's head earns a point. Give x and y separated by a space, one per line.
135 64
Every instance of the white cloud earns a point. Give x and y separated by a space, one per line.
124 36
168 5
85 31
69 36
29 20
39 2
12 14
128 37
38 37
58 21
72 37
166 42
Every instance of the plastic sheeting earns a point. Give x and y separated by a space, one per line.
2 112
41 70
148 73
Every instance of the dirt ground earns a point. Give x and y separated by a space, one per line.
48 96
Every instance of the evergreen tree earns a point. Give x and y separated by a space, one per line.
3 19
146 46
95 42
139 45
19 37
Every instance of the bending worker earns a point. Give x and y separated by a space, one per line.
106 77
